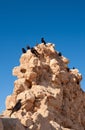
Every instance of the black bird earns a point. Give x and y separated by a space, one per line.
73 68
16 107
23 50
59 53
28 47
34 51
43 41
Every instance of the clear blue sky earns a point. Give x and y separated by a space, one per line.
24 22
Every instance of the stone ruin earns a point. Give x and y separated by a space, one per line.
50 93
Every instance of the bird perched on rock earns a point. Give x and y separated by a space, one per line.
34 51
43 41
23 50
16 107
59 53
28 47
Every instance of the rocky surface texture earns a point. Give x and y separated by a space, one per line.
50 92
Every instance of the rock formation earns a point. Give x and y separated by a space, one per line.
50 93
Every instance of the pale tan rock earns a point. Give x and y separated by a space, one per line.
57 126
26 96
65 60
25 58
52 98
54 66
27 121
64 77
10 101
17 72
27 99
21 85
31 76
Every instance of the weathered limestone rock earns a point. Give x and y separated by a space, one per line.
21 85
50 93
10 101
